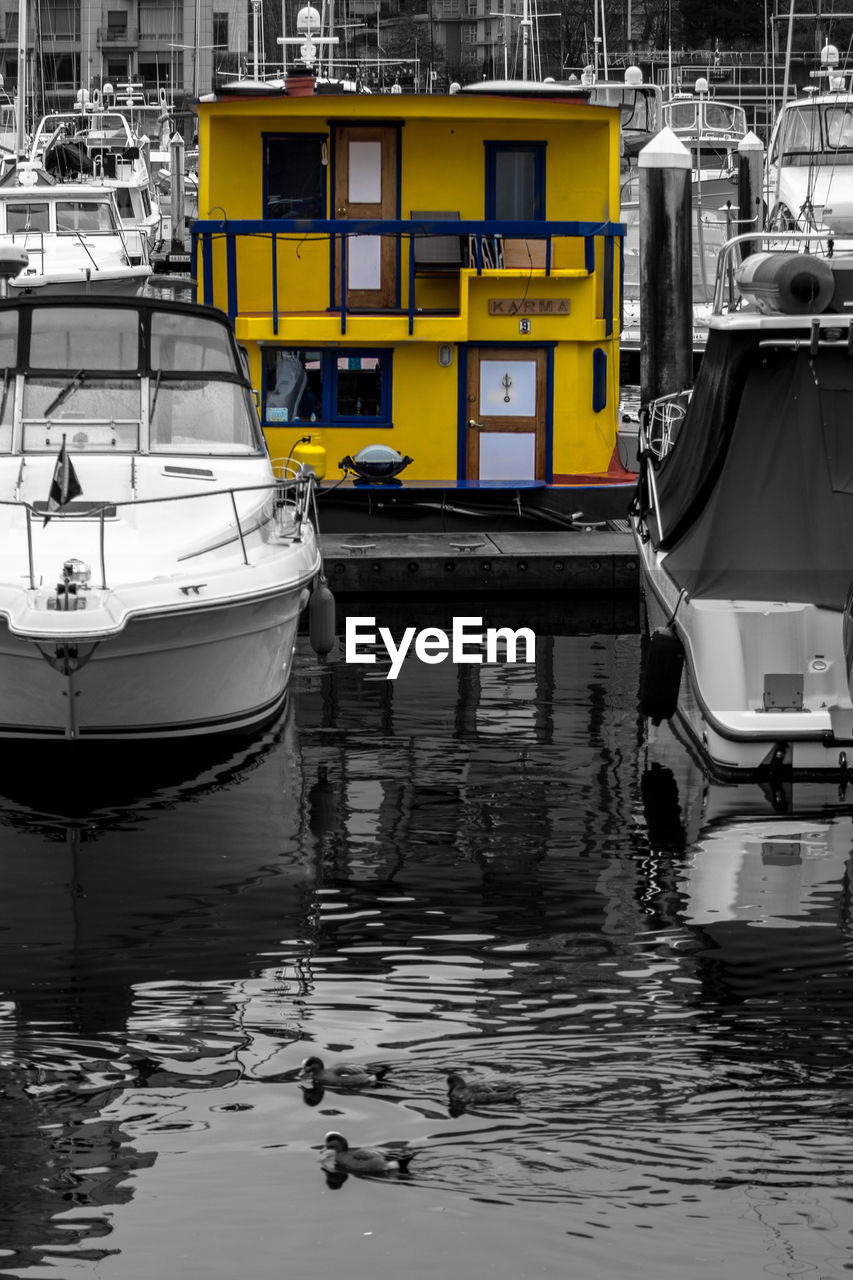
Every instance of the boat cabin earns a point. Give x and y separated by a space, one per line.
100 147
435 274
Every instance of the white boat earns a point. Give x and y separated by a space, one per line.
96 146
71 234
697 116
711 131
153 567
743 521
809 171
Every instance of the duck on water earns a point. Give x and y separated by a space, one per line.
340 1075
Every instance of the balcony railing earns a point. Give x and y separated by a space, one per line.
118 35
481 235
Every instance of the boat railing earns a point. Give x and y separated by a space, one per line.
485 239
727 296
292 504
661 422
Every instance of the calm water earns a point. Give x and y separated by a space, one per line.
486 869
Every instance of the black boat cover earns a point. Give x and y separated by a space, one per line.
756 498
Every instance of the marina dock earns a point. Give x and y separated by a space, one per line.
575 561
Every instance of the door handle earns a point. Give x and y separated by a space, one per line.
342 211
472 422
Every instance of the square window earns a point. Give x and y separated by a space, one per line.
220 30
294 176
329 386
293 386
358 387
515 181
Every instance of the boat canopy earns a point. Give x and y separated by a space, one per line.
756 496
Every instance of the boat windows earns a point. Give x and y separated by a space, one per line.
95 414
91 216
331 386
681 115
358 387
294 176
515 181
198 417
124 202
76 338
27 215
190 344
7 409
816 133
839 126
8 339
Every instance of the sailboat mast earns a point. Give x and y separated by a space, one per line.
525 39
22 79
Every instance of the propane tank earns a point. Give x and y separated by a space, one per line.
311 454
321 619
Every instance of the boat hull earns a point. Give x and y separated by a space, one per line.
731 649
204 670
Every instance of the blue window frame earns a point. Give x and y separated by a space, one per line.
294 175
335 387
515 181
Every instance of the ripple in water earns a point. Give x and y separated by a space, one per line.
457 872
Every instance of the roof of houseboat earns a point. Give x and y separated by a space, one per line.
533 89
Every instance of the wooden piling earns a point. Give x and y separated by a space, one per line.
666 284
750 193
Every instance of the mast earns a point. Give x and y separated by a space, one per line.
525 39
22 79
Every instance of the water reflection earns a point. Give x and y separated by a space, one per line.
479 870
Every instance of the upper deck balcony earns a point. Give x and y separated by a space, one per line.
410 218
429 278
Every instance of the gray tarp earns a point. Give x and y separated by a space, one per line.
778 523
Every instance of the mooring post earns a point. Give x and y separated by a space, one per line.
177 217
750 194
666 286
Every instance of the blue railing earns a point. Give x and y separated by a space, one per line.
482 234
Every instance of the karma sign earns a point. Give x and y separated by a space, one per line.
529 306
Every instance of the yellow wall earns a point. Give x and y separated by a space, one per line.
443 168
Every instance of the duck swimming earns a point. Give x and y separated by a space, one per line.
339 1076
339 1155
461 1093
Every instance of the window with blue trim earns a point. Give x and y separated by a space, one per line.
335 387
515 181
294 176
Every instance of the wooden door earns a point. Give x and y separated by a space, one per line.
366 187
507 412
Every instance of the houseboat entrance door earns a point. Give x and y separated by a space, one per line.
506 409
366 187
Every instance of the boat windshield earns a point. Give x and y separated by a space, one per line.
119 380
700 116
815 133
94 217
638 105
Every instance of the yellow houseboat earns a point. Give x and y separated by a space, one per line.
426 285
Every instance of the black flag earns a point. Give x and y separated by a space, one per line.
64 486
